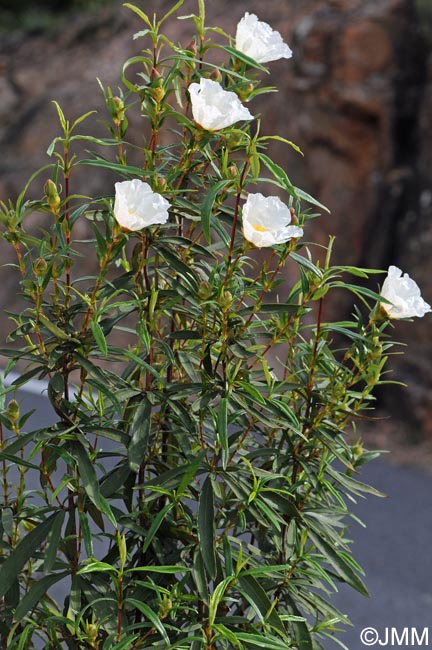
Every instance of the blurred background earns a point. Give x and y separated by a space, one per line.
356 97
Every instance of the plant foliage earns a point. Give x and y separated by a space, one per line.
194 487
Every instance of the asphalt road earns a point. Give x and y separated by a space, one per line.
394 550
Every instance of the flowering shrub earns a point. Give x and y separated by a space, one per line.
193 487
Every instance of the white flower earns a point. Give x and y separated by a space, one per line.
136 206
266 221
259 41
214 108
403 294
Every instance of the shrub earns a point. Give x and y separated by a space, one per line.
194 486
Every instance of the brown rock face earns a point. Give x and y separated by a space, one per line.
356 97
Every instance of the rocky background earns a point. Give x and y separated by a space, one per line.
356 97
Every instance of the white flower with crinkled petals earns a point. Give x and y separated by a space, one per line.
266 221
214 108
259 41
136 206
403 295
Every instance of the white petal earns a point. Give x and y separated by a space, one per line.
214 108
266 221
136 206
259 41
403 294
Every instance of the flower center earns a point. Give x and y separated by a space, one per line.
259 228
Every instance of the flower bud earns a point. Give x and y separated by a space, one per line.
294 218
52 195
234 140
216 75
205 290
192 47
29 288
13 411
117 110
226 300
122 549
159 184
92 631
39 266
232 171
158 93
165 606
244 92
155 74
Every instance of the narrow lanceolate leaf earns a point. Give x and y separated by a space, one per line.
207 207
99 337
222 429
151 615
26 549
217 596
90 481
36 592
258 640
206 527
190 473
304 196
140 430
156 524
52 546
257 597
301 630
279 175
341 566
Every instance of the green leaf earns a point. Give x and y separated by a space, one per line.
99 337
281 139
222 429
139 13
7 521
151 615
126 644
267 570
167 568
36 593
90 481
279 174
116 167
341 566
243 57
155 525
228 634
217 596
54 329
207 207
97 567
304 261
54 537
170 12
206 527
140 430
301 631
268 641
86 533
257 597
13 564
304 196
190 473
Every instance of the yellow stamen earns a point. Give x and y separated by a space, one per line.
259 228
